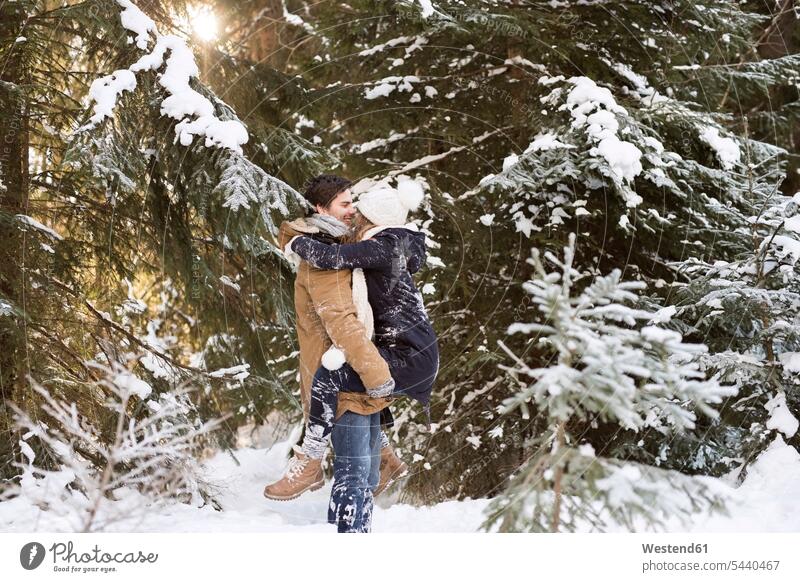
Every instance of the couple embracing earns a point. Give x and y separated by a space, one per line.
365 339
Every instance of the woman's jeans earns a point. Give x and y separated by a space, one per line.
356 471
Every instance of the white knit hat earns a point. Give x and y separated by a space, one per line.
387 206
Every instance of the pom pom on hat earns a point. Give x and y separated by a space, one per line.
410 193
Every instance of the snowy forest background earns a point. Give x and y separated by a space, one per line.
613 214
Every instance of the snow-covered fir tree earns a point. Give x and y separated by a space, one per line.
747 309
611 363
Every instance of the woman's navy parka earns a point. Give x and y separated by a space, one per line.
403 332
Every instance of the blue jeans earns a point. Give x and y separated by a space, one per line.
356 471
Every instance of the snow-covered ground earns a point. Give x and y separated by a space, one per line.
765 502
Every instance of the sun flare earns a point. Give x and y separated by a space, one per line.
203 23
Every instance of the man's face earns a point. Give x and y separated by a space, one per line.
341 207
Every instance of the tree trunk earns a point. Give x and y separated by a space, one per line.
263 41
559 475
14 182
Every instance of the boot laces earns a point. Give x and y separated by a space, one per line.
296 467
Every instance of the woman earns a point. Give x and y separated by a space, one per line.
385 253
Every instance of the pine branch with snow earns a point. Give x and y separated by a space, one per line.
608 364
599 494
192 110
149 457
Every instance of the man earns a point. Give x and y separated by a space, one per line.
326 315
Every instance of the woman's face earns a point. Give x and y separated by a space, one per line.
358 221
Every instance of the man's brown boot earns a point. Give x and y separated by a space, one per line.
303 474
392 468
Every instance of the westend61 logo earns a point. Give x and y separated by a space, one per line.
65 559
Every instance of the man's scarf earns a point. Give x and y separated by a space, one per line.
329 224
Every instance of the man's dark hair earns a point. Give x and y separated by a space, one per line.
323 189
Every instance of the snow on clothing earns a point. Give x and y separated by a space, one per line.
403 332
325 316
356 471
